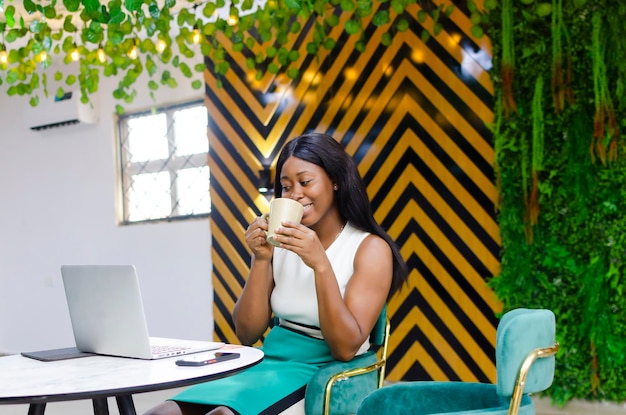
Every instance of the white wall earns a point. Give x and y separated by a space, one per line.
57 207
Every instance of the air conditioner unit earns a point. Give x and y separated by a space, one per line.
54 112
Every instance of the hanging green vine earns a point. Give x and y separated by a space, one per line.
126 38
507 69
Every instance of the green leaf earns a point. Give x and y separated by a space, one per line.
347 5
475 17
437 29
50 12
68 26
397 6
352 27
364 8
296 26
477 31
402 25
152 85
154 10
293 4
58 75
422 16
332 20
329 43
35 26
197 84
70 80
490 4
116 37
312 48
12 35
134 5
293 73
71 5
381 18
386 39
151 67
185 70
273 68
117 15
9 15
91 6
29 6
209 9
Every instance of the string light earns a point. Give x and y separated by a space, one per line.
74 54
43 56
102 56
161 45
196 36
4 58
133 52
233 17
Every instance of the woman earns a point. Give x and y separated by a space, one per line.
327 283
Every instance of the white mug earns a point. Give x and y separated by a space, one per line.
281 210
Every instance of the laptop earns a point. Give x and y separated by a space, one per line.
107 315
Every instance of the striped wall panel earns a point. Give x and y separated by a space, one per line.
414 117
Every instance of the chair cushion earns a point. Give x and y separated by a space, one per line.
439 398
346 394
520 332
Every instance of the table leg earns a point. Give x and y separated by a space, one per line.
126 405
100 406
36 408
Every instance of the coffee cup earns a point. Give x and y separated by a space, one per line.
282 209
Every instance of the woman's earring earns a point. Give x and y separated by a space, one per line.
335 187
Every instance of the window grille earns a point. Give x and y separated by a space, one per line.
163 160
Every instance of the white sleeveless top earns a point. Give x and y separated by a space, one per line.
294 299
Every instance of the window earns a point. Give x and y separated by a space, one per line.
163 160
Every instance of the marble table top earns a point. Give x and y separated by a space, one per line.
26 380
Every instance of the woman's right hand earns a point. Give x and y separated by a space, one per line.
256 234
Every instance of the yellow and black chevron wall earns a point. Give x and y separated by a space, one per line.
414 117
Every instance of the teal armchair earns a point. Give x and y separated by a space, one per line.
525 359
337 388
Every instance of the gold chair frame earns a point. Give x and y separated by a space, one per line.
379 365
518 390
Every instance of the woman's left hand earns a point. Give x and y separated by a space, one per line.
302 241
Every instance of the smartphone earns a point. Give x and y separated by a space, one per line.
202 360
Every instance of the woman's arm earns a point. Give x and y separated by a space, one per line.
346 323
252 311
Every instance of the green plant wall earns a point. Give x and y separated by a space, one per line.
559 138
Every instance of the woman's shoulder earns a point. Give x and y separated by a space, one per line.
362 240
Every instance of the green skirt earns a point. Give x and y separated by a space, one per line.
271 386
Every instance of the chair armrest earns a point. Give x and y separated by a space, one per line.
349 383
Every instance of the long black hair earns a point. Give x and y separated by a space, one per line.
352 200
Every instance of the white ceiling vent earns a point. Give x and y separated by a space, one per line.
54 112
